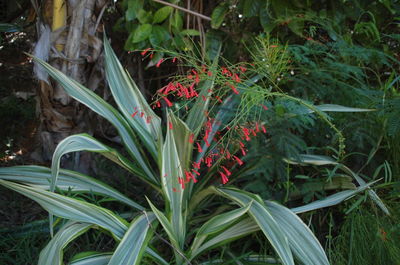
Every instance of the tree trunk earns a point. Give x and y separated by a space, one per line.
73 47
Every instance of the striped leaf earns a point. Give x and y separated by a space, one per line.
302 241
217 224
52 254
196 117
67 180
175 157
85 142
72 209
330 200
129 100
134 243
165 223
261 215
98 105
238 230
91 259
319 160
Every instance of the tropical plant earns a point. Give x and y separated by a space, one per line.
173 169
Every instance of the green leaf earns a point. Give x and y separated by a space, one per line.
217 224
85 142
301 240
166 225
67 180
134 243
175 159
238 230
162 14
52 254
177 21
6 27
251 8
196 117
190 32
265 20
264 219
98 105
319 160
159 35
218 15
144 17
134 6
142 33
72 209
129 100
91 258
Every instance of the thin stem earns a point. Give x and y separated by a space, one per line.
184 9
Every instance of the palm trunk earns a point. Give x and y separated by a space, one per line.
74 49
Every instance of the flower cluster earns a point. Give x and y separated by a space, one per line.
187 89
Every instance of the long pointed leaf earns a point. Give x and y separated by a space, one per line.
319 160
84 142
98 105
52 254
129 99
301 240
134 243
72 209
67 180
92 259
264 219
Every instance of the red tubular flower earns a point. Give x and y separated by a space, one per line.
134 114
174 189
242 69
227 172
173 60
224 179
196 172
257 128
196 165
233 88
203 68
208 161
204 98
199 148
218 99
191 138
236 78
170 125
243 151
238 160
148 119
263 129
209 73
274 46
228 155
141 114
246 134
159 62
264 107
145 51
167 101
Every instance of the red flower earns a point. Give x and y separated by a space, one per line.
227 172
134 114
159 62
199 148
191 138
238 160
167 101
145 51
170 125
224 179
